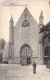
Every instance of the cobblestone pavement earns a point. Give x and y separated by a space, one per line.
17 72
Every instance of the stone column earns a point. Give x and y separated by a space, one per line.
11 53
41 52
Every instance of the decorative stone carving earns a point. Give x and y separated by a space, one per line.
25 23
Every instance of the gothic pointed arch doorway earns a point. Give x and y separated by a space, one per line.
25 55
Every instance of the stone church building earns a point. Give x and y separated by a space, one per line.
25 43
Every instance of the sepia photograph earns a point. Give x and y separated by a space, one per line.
24 39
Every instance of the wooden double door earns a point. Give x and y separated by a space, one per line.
26 55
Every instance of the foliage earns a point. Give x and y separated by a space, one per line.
46 31
2 43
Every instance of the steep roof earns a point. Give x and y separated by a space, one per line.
26 14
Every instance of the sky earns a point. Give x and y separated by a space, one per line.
34 6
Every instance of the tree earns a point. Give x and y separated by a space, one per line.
2 43
46 31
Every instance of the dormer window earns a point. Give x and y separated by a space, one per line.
25 23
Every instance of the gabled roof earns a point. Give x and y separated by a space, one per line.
26 14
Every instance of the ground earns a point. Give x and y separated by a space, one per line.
18 72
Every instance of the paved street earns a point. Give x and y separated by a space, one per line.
17 72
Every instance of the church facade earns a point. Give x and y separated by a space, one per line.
25 43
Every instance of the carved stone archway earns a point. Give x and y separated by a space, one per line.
25 55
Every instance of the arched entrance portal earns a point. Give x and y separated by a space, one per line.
25 55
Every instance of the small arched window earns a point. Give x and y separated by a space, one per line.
25 23
47 51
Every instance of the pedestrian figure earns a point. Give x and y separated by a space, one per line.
34 67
